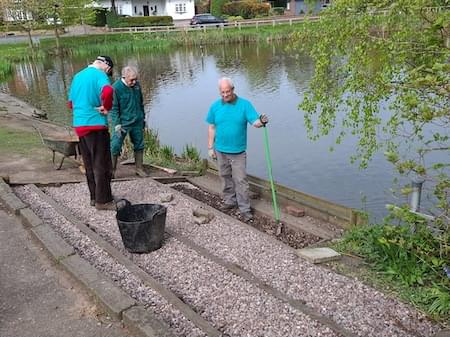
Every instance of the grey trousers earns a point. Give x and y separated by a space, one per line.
232 170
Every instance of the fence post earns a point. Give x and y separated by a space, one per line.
290 22
239 24
273 23
257 25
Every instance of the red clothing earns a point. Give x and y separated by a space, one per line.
107 97
82 131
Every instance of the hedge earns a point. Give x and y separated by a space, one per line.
247 9
137 21
277 10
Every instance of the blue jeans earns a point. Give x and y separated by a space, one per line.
232 170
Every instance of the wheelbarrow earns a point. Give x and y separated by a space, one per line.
62 147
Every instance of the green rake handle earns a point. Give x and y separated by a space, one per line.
269 167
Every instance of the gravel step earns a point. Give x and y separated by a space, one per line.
231 302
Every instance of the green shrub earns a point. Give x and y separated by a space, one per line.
277 11
5 68
97 17
145 21
217 7
247 9
112 19
167 153
190 153
234 18
410 258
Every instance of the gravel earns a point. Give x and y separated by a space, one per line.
233 305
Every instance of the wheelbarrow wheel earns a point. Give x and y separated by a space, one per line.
57 164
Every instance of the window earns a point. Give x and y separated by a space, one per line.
135 9
180 8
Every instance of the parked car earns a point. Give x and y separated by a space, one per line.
204 19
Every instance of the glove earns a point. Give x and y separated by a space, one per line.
212 154
118 129
264 119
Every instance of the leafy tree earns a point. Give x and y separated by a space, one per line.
63 13
22 13
382 74
216 7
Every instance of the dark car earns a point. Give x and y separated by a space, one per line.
205 19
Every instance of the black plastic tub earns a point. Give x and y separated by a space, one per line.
141 226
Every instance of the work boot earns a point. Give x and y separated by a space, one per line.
139 162
114 160
109 206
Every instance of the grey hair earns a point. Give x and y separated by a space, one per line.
129 70
226 79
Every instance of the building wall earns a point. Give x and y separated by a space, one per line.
177 9
301 7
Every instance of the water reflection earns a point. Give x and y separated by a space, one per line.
178 88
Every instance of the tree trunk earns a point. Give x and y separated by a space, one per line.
113 7
57 38
30 39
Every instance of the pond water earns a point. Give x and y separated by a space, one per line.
179 87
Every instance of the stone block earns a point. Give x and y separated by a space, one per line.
318 255
202 215
143 323
29 218
81 270
12 202
295 211
4 187
111 297
55 245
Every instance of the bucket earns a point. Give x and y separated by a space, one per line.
141 225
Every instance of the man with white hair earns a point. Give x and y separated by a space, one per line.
227 142
128 117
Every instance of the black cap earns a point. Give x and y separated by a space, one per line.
106 60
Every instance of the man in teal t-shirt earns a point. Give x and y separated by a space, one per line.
90 98
227 142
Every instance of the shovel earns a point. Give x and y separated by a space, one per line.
272 185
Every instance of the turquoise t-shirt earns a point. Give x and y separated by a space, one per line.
230 120
85 94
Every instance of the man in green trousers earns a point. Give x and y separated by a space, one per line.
128 117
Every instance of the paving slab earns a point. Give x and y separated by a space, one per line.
318 255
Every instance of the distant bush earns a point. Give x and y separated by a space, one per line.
277 11
144 21
137 21
234 18
97 17
217 7
247 9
